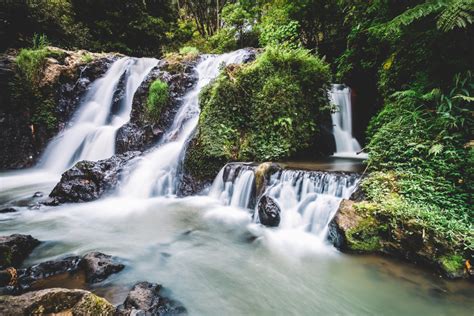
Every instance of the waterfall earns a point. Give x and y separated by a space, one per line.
155 173
91 132
308 199
346 144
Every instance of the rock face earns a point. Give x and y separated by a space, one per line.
15 248
268 211
190 185
99 266
24 107
89 180
49 301
145 299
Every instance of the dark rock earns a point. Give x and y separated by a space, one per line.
55 301
8 210
89 180
38 194
132 136
99 266
15 248
145 299
190 186
268 211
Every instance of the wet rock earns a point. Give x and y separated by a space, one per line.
57 300
189 185
8 210
89 180
262 175
345 219
131 136
99 266
15 248
268 211
38 194
145 299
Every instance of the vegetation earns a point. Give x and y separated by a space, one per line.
158 96
269 109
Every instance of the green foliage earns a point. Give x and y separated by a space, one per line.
158 97
453 263
31 62
266 110
189 50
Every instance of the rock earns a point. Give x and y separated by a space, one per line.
262 175
345 219
38 194
15 248
189 185
99 266
268 211
57 300
145 299
8 210
89 180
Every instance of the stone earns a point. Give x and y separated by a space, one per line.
90 180
55 301
8 210
99 266
268 211
15 248
145 299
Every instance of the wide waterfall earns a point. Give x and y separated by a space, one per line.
308 199
91 132
155 173
346 144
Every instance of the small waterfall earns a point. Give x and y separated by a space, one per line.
346 144
155 174
308 199
91 132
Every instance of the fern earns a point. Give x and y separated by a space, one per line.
456 14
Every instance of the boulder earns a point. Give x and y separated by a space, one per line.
145 299
15 248
55 301
99 266
7 210
268 211
89 180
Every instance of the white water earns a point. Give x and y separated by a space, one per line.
308 199
155 174
346 144
91 132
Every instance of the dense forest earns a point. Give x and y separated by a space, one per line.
409 65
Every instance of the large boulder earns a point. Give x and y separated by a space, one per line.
268 211
145 299
89 180
99 266
15 248
55 301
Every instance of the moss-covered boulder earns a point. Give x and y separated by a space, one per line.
55 301
269 109
15 248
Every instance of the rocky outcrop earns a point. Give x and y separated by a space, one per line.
146 299
15 248
55 301
189 185
89 180
32 113
268 211
99 266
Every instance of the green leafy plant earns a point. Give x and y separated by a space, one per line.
158 97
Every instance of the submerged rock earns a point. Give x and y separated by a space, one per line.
268 211
99 266
55 301
15 248
8 210
89 180
145 299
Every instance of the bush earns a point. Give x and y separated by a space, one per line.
269 109
31 62
158 96
189 51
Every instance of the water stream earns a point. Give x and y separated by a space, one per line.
209 251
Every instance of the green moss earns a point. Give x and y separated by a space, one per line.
87 58
31 62
269 109
92 304
189 51
365 236
158 96
452 264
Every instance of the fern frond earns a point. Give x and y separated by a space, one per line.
458 13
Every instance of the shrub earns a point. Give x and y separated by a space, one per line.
158 96
31 62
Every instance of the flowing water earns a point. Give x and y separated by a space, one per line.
209 251
346 144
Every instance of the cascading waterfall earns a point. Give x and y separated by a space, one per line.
346 144
308 199
91 134
155 174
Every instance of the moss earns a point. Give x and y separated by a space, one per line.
365 236
87 58
158 97
269 109
93 305
452 264
31 62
